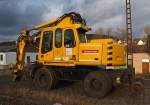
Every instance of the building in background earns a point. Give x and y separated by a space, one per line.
8 54
141 56
148 43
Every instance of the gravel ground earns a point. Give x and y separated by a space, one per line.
24 93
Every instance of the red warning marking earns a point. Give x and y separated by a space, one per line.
89 51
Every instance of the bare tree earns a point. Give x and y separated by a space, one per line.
100 31
148 43
147 30
109 31
103 31
120 33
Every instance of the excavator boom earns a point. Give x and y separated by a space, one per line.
75 17
22 41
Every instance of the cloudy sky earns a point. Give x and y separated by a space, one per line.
19 14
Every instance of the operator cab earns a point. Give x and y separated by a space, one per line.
59 44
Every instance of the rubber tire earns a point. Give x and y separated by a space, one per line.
49 75
103 79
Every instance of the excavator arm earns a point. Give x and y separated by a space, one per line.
22 42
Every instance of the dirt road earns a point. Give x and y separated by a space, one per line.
24 93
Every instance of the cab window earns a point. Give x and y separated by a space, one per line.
58 38
81 35
69 39
47 42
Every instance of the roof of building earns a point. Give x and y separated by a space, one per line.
140 42
11 47
6 48
141 45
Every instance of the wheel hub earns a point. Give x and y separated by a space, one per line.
96 84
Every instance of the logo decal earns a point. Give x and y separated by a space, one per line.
90 51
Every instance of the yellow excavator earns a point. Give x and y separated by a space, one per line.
65 53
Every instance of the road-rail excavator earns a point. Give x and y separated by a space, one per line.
65 53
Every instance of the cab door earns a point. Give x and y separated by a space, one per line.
58 49
70 45
66 48
46 48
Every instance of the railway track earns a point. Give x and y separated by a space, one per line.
66 94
